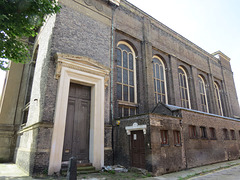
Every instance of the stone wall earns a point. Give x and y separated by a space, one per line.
37 131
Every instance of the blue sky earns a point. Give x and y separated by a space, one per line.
211 24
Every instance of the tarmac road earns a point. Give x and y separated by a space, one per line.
232 173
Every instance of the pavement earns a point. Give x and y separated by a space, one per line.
10 171
201 172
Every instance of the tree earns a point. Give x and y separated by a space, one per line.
20 19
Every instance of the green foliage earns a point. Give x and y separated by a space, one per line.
19 19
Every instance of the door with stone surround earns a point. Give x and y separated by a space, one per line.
137 149
76 138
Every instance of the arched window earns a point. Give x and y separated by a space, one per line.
218 99
203 95
159 78
184 90
126 80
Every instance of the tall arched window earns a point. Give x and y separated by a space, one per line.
203 95
218 99
184 90
159 78
126 80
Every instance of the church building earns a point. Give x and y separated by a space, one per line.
109 84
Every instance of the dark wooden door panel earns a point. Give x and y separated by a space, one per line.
67 150
137 149
76 141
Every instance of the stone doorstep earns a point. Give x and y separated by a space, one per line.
82 168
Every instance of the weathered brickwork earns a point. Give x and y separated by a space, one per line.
92 30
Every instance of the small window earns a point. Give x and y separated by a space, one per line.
203 132
212 133
177 138
192 132
225 134
125 111
233 136
164 137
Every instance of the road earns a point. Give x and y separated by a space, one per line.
232 173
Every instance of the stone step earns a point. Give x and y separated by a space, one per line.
85 168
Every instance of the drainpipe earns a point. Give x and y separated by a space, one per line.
112 61
111 80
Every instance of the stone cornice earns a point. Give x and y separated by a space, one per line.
116 2
81 63
221 55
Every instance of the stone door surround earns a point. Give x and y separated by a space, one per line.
88 72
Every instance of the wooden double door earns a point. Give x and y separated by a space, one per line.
76 138
137 149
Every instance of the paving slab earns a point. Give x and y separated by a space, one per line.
11 171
